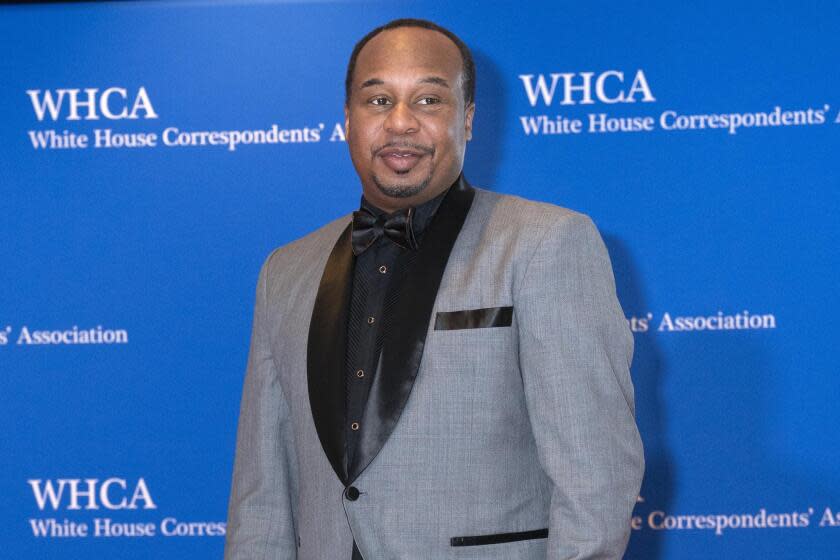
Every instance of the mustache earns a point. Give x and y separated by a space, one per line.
404 145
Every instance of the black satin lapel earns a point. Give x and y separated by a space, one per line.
408 323
325 352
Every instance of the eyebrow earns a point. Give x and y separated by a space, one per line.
434 80
427 80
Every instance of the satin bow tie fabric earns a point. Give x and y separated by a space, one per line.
367 228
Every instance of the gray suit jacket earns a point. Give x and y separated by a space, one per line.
502 405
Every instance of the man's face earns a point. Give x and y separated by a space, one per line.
406 120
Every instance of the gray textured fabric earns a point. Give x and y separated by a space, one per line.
507 429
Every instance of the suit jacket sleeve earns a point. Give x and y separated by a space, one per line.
260 514
575 354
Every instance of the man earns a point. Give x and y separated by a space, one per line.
445 375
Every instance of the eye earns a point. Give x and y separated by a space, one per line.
429 100
379 101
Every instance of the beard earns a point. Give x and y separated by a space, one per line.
401 191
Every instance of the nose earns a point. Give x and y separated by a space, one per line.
401 120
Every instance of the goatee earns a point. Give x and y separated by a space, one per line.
401 191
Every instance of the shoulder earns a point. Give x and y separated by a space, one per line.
531 222
554 247
544 240
305 252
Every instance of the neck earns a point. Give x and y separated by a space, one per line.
391 204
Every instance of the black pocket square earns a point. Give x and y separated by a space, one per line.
499 538
474 318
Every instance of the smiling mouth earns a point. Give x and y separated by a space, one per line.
401 160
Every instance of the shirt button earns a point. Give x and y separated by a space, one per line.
371 320
352 493
360 373
383 269
354 426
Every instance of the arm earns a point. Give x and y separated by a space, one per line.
575 353
261 510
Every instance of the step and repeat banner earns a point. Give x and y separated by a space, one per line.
153 153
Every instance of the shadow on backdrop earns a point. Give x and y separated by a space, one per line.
647 373
484 151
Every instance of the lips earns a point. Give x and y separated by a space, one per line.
400 160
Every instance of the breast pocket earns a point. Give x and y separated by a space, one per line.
474 318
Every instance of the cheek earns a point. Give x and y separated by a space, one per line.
356 141
449 137
457 130
361 135
451 127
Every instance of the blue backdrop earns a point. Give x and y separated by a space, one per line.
152 154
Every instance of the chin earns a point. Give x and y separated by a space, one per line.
401 189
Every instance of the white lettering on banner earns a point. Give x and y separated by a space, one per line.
4 335
602 123
829 518
50 102
232 138
338 134
72 336
52 493
640 324
58 529
171 527
610 88
721 523
52 140
77 496
107 139
673 121
719 322
660 521
543 125
108 528
693 323
173 137
577 88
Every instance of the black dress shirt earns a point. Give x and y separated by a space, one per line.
376 275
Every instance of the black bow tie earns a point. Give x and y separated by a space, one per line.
367 228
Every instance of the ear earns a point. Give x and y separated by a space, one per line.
468 120
346 120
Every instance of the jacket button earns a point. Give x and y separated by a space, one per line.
352 493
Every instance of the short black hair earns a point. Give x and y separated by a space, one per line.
466 57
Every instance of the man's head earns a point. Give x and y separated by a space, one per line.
408 111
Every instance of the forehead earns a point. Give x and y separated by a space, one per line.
407 50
